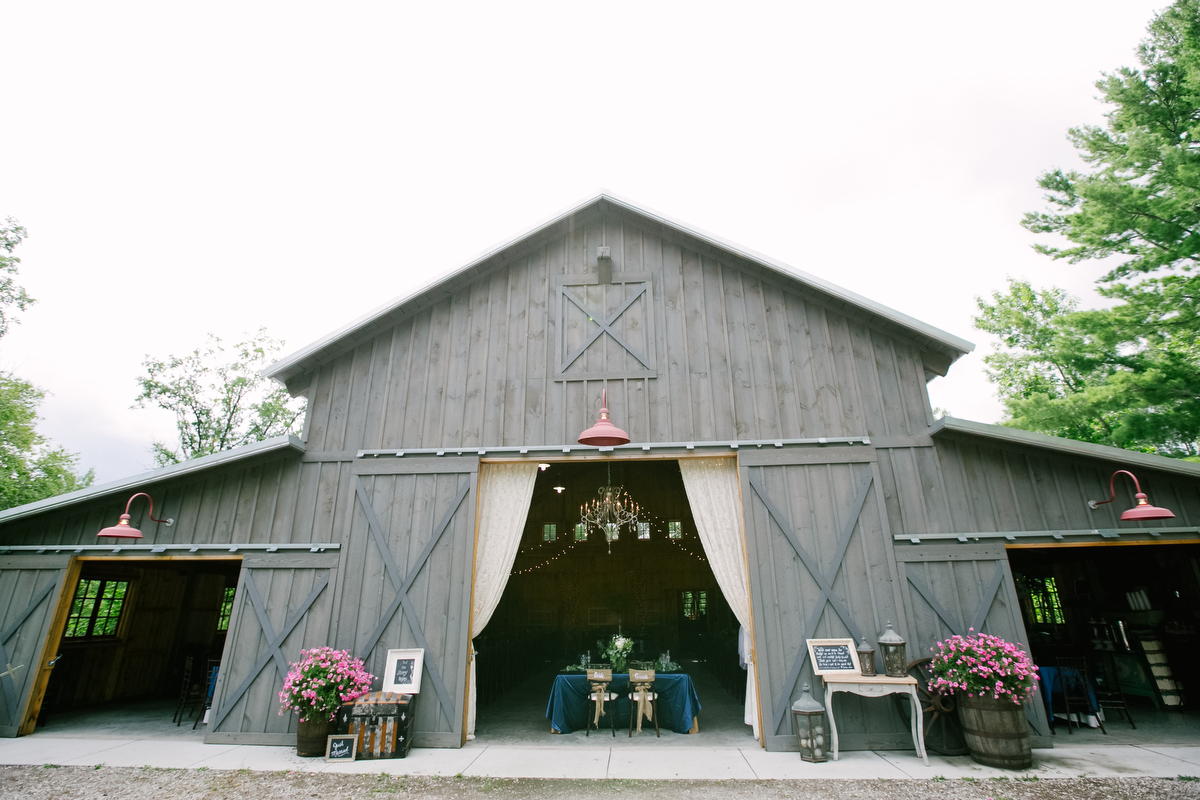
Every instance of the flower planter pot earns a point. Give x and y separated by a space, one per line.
311 736
996 731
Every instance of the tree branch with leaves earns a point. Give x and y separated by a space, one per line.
219 398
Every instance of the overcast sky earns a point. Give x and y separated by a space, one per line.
187 168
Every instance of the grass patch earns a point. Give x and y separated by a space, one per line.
51 766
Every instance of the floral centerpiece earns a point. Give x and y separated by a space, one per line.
315 686
982 665
617 650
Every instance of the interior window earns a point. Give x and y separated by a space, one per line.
96 609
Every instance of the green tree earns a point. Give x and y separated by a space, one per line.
219 398
30 468
1107 376
1128 375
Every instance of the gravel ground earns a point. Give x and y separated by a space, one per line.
85 783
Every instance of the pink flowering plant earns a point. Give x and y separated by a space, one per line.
982 665
321 681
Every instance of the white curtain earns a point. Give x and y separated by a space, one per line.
712 491
504 494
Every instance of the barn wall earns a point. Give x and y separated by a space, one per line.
964 484
732 355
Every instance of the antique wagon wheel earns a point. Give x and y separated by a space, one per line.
938 718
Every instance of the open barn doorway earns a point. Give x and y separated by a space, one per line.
570 590
1131 613
140 640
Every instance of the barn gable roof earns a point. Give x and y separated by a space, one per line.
946 347
1072 447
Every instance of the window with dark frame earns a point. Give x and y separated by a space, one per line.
643 531
674 529
226 608
96 609
580 532
549 532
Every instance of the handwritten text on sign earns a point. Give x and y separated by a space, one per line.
833 657
341 748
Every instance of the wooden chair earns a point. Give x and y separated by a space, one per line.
211 669
1076 685
599 679
642 674
1108 688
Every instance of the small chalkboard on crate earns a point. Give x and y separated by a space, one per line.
833 656
341 747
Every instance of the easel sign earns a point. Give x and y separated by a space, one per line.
833 656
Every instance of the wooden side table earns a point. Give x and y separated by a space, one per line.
875 686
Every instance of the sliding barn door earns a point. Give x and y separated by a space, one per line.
282 606
407 581
952 589
30 588
820 568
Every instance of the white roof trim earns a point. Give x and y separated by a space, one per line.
1018 436
289 362
137 481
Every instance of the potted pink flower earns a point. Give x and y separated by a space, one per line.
315 687
990 679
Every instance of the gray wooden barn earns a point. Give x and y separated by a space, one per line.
858 506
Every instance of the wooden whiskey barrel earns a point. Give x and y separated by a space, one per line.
996 731
311 736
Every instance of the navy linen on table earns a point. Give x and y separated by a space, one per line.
1049 680
569 707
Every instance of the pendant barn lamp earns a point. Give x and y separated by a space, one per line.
1143 510
123 530
604 433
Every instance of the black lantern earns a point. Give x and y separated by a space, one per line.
866 658
810 727
891 650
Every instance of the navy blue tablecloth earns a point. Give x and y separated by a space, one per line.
569 707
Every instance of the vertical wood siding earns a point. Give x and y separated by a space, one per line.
734 355
29 591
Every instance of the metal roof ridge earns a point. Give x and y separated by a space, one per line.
294 359
151 476
1106 452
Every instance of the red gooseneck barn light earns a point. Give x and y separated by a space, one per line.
123 530
1143 510
604 433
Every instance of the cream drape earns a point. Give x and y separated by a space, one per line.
504 494
712 491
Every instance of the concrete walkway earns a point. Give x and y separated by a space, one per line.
652 762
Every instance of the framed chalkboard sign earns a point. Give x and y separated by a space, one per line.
833 656
402 672
341 747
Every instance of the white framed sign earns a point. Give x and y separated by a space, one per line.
402 672
833 656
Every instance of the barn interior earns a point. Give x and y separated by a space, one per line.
1131 613
140 637
570 591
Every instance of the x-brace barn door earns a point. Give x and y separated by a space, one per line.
408 584
820 567
30 587
954 589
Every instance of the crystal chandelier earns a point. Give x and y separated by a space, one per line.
612 510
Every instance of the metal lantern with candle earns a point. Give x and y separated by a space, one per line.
866 658
891 651
810 727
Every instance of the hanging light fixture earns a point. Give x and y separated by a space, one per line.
123 530
1143 509
604 433
612 510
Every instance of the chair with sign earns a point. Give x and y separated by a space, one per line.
1077 691
599 678
211 669
643 700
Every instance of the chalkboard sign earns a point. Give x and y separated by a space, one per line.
341 747
833 656
404 670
